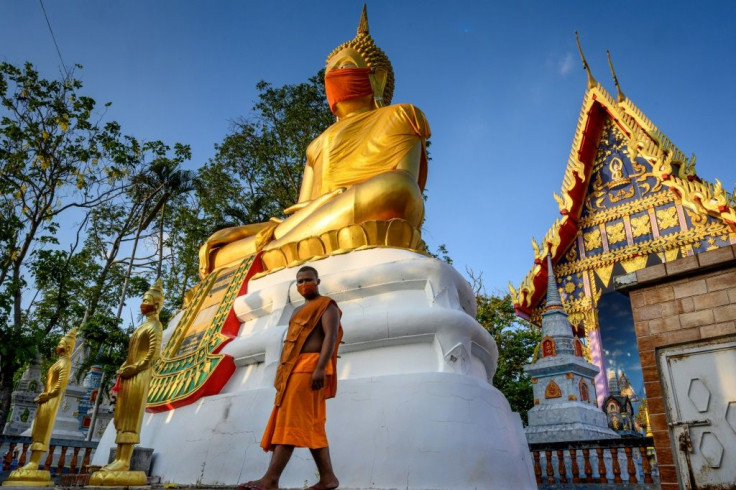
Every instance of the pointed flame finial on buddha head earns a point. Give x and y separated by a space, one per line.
155 295
362 52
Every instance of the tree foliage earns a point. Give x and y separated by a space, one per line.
72 196
516 340
257 170
254 175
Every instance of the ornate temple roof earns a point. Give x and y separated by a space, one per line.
644 142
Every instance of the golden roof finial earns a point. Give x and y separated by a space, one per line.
591 81
363 24
620 97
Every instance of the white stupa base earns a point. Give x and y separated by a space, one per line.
414 407
567 421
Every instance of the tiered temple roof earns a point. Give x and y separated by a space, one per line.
628 195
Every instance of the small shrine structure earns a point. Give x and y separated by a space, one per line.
619 409
565 407
22 406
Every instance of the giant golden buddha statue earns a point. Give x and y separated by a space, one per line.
363 178
43 423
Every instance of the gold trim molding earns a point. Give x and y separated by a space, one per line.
395 233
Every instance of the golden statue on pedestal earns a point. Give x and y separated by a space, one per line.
43 424
135 374
363 179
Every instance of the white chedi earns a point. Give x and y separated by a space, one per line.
415 407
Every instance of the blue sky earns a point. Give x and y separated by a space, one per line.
501 85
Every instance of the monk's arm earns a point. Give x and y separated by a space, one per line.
330 326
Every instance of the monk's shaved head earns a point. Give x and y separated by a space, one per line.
307 268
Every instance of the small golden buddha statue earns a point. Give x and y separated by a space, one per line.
43 424
616 167
368 167
134 376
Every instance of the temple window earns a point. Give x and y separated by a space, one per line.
548 347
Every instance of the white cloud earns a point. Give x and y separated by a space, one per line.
564 66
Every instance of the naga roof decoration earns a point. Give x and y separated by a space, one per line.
657 163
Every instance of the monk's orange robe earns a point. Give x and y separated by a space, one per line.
298 416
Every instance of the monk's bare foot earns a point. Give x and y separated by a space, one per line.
326 484
262 484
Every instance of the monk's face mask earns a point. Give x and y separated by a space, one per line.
307 289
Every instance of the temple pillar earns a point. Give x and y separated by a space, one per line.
597 358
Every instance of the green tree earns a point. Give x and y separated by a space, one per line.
165 180
156 180
59 162
516 340
257 170
55 156
188 229
255 174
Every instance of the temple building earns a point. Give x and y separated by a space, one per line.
619 409
630 199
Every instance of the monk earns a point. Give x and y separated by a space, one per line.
305 377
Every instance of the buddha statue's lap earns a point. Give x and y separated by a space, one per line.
370 165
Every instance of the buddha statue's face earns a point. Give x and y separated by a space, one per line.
350 58
345 58
62 347
149 304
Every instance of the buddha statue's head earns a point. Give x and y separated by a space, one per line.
66 344
153 300
359 72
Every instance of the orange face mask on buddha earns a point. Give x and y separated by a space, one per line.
307 289
345 84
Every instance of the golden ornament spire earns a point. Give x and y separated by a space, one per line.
157 291
373 55
620 97
363 24
158 287
591 81
71 337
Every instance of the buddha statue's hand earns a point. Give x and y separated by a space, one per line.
296 207
127 371
42 398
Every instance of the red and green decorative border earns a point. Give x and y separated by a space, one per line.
180 380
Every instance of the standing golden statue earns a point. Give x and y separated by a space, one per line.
364 175
135 374
43 423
